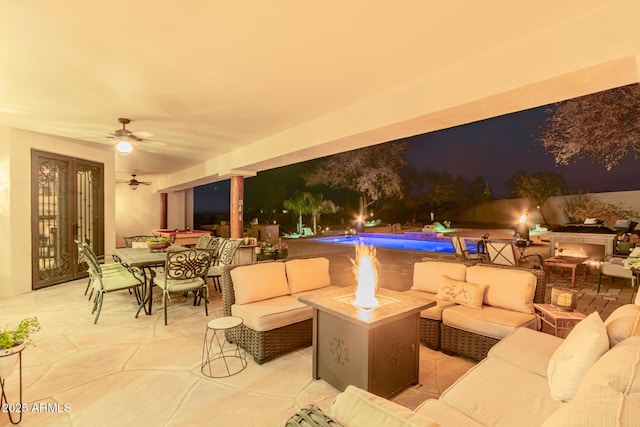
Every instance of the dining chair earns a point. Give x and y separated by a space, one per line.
462 252
203 242
226 254
503 252
105 280
84 252
185 271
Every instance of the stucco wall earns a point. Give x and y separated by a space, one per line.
507 211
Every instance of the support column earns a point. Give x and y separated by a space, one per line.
236 208
163 210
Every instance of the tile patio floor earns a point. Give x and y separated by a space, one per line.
126 371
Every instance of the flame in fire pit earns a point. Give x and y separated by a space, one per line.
366 271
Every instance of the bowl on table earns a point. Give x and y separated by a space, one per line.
158 246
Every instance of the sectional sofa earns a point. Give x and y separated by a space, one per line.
478 304
589 379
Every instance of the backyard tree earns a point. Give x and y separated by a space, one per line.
301 204
537 188
439 192
320 206
602 127
373 172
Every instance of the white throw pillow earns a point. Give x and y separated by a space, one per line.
570 362
623 323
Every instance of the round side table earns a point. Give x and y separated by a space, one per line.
224 359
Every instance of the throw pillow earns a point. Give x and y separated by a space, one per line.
570 362
623 323
464 293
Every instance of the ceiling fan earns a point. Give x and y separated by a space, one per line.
133 182
125 139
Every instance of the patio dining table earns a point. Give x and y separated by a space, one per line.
146 260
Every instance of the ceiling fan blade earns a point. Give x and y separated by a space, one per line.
142 134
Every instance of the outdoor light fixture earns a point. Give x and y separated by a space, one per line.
124 147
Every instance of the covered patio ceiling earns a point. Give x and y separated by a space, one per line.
217 88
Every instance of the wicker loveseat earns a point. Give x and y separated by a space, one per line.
265 295
506 304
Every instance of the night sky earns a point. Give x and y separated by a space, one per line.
496 149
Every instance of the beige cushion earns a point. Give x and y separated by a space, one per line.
498 393
582 348
435 312
506 288
307 274
427 275
490 321
272 313
527 349
445 415
623 323
258 282
461 292
139 245
609 393
356 407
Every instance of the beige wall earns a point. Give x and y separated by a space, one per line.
15 200
138 212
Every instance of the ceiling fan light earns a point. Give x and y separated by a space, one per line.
124 147
133 186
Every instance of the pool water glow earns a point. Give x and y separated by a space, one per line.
408 241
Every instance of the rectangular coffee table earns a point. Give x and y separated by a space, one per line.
565 262
375 349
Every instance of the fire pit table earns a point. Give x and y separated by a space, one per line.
376 349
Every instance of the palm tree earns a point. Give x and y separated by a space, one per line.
301 205
320 206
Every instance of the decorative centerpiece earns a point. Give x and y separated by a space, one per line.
271 250
158 244
267 251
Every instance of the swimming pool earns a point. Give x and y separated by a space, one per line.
425 242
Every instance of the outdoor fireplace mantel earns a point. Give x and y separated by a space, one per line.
591 236
375 349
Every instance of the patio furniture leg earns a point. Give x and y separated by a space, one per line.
164 304
99 298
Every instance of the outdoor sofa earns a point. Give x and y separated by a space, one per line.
504 298
265 295
529 378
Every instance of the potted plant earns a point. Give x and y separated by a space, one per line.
267 251
13 341
625 243
282 250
